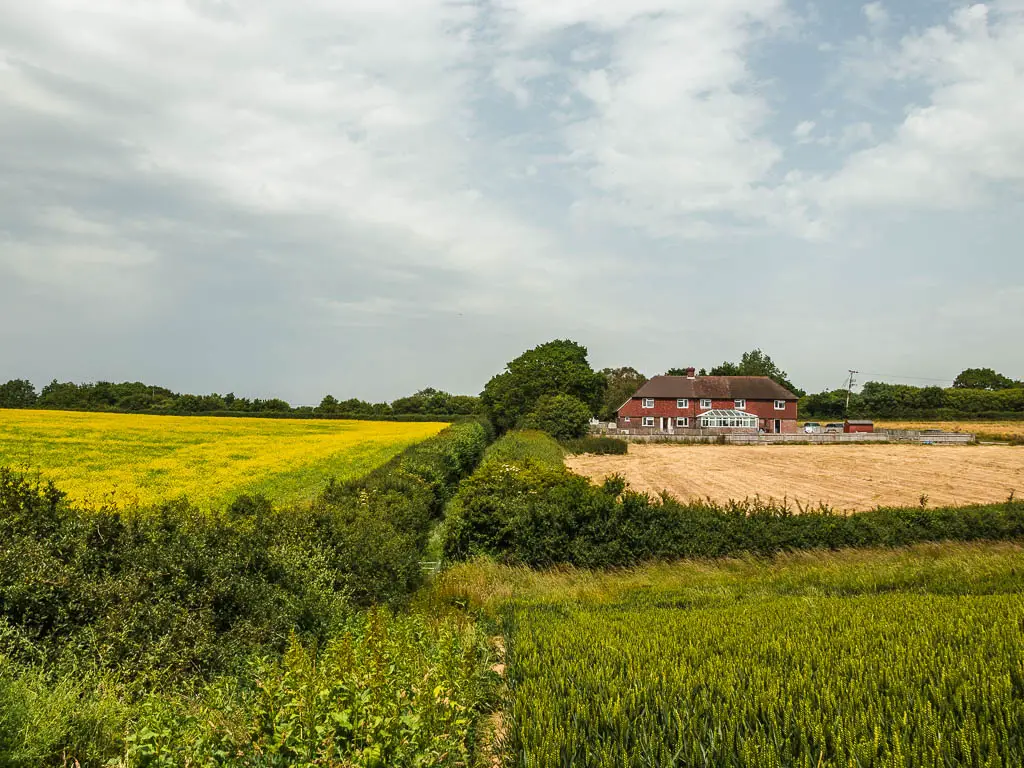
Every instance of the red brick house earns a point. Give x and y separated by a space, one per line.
709 404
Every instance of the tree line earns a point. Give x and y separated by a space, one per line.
551 387
138 397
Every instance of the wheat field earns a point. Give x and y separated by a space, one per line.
126 460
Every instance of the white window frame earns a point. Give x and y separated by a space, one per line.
647 419
741 404
780 405
682 421
647 402
625 419
682 402
705 402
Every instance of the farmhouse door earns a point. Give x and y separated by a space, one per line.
778 426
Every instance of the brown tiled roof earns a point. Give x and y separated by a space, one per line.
719 387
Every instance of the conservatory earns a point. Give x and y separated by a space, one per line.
719 419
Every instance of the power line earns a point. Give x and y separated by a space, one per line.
897 376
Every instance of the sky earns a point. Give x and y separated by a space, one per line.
366 197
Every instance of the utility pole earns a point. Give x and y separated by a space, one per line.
849 389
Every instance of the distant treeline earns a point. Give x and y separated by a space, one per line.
137 397
879 400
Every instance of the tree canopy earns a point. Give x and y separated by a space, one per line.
756 363
556 368
17 393
983 378
564 417
620 384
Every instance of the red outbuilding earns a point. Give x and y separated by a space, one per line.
858 425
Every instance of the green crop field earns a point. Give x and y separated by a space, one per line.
103 458
872 658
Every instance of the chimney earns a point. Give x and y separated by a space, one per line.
690 373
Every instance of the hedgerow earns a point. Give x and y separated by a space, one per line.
521 510
151 601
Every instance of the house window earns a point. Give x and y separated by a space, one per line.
625 419
682 421
682 403
648 402
740 404
648 421
705 403
780 405
728 419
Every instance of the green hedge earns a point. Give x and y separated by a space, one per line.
175 591
539 515
597 445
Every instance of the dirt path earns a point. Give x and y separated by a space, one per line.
847 477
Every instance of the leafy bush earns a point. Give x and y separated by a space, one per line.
597 445
562 416
102 612
385 690
556 368
184 591
534 514
526 444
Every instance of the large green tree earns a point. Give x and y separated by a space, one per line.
556 368
561 416
756 363
982 378
17 393
620 384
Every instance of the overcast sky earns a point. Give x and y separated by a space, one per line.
366 197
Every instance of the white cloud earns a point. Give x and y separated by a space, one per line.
802 132
966 136
671 128
877 16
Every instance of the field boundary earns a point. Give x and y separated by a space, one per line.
801 438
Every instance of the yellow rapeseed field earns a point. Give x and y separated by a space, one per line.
102 458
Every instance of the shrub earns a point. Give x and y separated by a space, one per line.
538 515
564 417
526 444
174 591
596 445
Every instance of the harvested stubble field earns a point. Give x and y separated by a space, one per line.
985 430
122 460
845 477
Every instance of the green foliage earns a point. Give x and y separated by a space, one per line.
433 401
620 384
882 400
555 368
747 665
17 393
983 378
180 590
525 512
525 444
606 446
756 363
564 417
136 397
103 613
385 690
